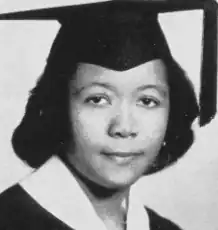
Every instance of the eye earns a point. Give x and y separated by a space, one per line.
149 102
97 100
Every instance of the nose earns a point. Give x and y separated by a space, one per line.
123 124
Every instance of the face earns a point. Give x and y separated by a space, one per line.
119 120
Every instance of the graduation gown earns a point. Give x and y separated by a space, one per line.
23 206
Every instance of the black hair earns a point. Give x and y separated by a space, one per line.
45 127
184 110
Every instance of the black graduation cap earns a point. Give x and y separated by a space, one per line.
69 16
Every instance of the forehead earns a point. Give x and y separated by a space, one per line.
152 72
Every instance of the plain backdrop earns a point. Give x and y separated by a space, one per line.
186 192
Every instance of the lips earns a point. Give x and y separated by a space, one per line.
122 157
122 154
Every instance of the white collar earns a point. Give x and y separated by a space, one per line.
54 187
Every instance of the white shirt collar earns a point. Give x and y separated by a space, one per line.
54 187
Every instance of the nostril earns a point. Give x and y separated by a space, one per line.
121 127
125 134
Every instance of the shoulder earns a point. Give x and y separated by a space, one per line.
11 198
16 198
158 222
18 210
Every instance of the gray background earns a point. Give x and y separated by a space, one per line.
186 192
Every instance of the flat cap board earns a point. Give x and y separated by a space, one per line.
67 12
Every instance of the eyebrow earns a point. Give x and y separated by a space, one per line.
162 88
101 84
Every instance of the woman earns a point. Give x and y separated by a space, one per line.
111 106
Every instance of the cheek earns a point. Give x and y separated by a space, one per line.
152 136
87 126
154 125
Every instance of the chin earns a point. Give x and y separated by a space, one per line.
120 181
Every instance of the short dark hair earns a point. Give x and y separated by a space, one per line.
45 127
184 110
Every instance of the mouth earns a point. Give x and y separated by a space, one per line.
122 158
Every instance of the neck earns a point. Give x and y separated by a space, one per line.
109 203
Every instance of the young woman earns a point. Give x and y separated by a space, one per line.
111 106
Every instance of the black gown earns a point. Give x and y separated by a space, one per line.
19 211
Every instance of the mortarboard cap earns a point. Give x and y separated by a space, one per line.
99 43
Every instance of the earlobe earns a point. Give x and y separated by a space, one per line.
164 144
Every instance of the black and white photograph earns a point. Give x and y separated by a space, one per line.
108 116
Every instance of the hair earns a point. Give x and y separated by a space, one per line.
183 111
45 127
